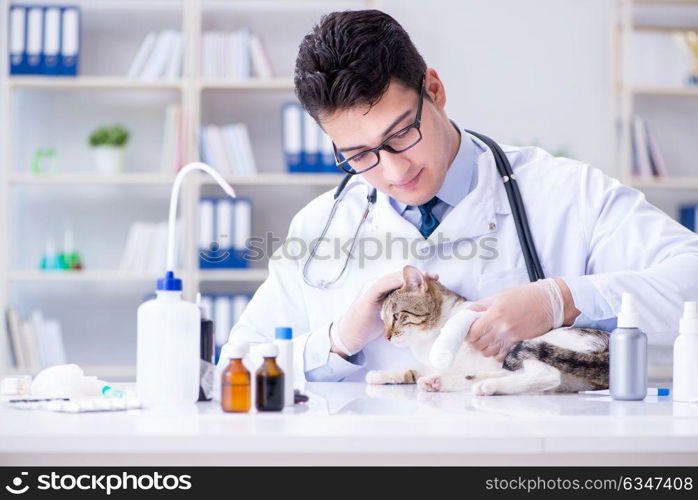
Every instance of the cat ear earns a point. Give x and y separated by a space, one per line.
414 279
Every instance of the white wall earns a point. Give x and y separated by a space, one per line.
521 71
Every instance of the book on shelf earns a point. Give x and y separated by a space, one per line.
647 159
44 40
138 61
228 148
658 59
225 226
34 342
173 154
14 334
159 57
261 62
225 311
688 216
145 250
306 147
237 54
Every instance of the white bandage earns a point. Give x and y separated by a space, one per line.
451 338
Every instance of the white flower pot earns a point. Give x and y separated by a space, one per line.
108 159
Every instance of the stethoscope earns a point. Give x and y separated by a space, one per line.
523 230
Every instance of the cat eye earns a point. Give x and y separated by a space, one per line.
415 314
415 323
396 316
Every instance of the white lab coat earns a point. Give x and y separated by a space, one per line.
585 225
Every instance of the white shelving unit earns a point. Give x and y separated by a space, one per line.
89 83
250 84
633 16
87 179
104 275
254 101
262 179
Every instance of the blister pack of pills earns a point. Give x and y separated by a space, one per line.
78 405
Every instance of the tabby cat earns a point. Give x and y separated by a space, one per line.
562 360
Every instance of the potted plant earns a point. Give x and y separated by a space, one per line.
108 144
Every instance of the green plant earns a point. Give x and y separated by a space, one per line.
109 136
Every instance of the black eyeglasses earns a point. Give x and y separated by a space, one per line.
400 141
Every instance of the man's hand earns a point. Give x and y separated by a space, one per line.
362 322
519 313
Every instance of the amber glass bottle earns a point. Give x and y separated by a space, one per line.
235 384
270 381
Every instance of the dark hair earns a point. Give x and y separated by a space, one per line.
349 58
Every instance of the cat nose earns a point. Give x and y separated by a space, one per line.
388 332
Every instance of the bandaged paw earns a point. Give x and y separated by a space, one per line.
451 338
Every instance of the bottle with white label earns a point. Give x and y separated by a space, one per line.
284 339
627 351
685 355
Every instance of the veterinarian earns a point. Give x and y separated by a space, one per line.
440 205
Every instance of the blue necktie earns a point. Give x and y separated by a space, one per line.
429 220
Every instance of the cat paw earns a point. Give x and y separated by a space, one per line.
431 383
375 377
485 388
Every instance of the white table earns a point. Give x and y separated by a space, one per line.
346 423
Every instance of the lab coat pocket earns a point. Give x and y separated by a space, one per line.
491 283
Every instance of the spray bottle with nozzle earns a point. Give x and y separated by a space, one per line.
627 352
167 371
685 354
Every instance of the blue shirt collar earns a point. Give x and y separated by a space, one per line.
459 176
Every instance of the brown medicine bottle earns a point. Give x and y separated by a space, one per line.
270 381
235 383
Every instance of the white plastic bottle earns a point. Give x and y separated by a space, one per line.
685 355
284 339
169 328
167 372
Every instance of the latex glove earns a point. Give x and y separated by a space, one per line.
517 313
361 323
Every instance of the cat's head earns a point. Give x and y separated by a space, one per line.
412 312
